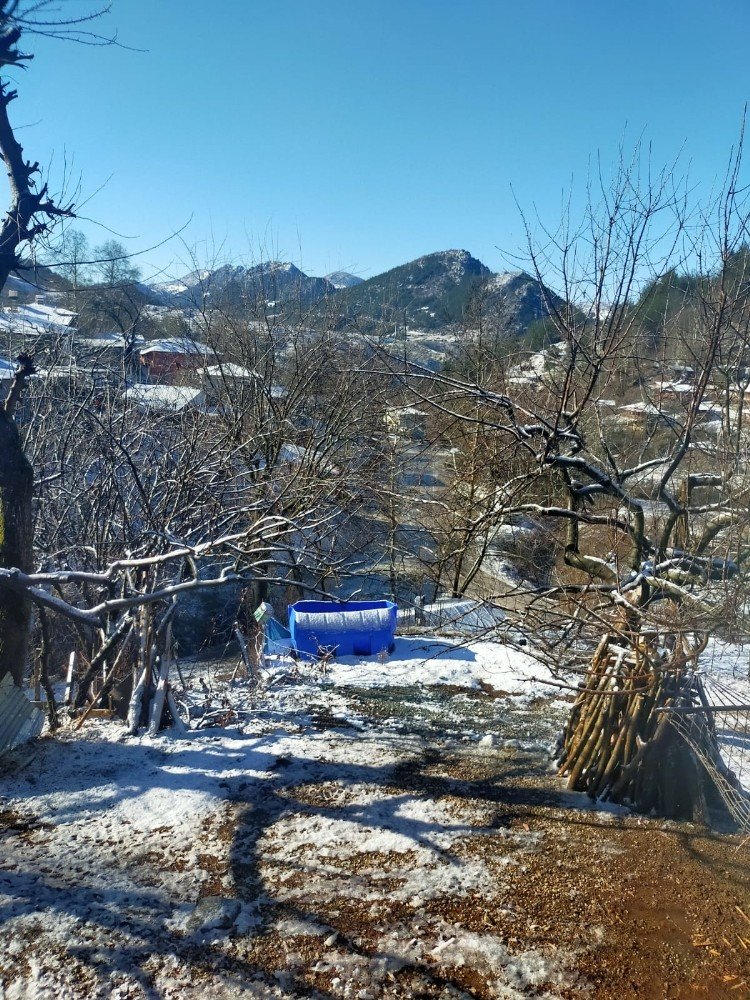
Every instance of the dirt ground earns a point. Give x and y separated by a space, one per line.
670 901
651 909
533 891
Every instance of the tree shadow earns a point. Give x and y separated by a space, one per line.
382 794
294 801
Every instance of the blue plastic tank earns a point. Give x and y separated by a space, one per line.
352 628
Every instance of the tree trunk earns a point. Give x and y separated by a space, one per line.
16 532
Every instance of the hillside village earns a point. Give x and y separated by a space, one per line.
259 453
418 515
34 319
374 636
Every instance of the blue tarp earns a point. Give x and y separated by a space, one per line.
278 639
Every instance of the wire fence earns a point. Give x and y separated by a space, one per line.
715 723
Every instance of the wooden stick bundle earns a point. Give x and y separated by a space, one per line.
618 743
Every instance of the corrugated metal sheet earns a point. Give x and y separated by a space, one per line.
20 721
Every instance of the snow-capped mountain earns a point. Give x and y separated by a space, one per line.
433 292
343 279
267 283
445 288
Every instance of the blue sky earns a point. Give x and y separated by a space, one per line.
357 136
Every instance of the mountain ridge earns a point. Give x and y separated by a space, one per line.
435 291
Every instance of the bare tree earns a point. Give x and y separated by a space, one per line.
71 259
30 214
631 449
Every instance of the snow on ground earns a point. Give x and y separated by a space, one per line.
425 661
728 663
726 667
304 846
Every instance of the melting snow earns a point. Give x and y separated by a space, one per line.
116 839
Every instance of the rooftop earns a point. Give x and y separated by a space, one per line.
105 340
228 371
176 345
37 317
164 398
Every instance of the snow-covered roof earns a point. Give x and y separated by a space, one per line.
641 407
164 398
37 317
71 372
680 388
176 345
407 411
228 371
105 340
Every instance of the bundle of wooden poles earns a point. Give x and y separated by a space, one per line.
618 743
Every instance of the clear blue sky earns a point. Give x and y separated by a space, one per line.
359 135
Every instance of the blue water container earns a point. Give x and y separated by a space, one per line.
352 628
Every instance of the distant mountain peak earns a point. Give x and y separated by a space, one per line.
457 264
436 291
343 279
426 293
444 288
270 281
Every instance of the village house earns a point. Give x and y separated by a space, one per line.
175 360
642 415
228 381
65 381
107 349
37 319
671 393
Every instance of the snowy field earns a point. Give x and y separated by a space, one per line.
346 835
234 861
426 661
